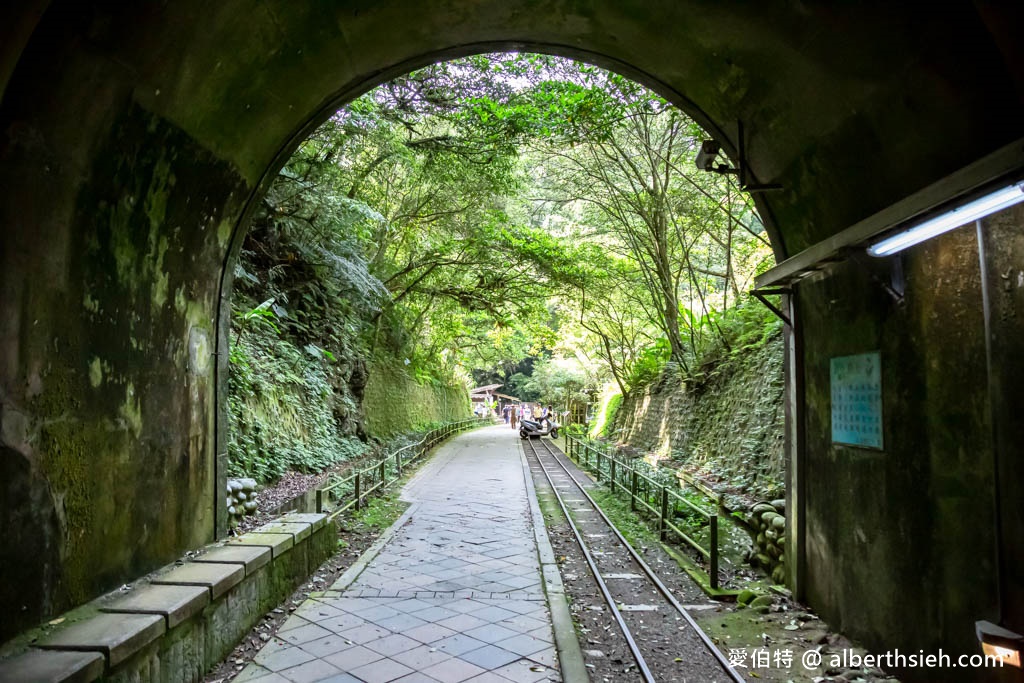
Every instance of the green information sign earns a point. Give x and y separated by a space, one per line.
857 400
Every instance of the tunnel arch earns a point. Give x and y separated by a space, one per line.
135 136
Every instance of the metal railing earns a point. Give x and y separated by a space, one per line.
352 490
654 497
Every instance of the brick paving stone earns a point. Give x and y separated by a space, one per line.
353 658
341 678
459 643
428 633
491 633
487 677
416 677
252 672
304 634
402 623
328 645
265 677
524 671
462 622
392 645
342 623
376 613
410 605
489 657
310 672
453 671
523 644
419 658
316 610
548 657
435 613
364 634
276 656
383 671
450 588
543 633
523 623
493 613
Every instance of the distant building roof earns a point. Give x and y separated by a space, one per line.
489 387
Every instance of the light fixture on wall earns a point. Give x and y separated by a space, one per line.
961 215
999 642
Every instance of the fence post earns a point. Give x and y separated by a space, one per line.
319 501
599 467
398 462
611 464
358 487
383 472
714 551
663 518
632 491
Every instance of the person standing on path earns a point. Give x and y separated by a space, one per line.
514 415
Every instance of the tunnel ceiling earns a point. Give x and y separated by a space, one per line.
849 106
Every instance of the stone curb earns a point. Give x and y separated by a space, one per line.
353 572
570 657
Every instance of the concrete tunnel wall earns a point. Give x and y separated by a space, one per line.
135 136
901 542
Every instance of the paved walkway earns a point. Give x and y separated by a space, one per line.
455 595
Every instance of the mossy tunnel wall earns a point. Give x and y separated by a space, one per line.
135 136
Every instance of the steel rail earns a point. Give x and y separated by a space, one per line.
662 588
634 648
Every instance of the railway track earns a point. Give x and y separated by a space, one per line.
663 638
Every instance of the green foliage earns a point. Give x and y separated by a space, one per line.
524 217
395 403
650 364
606 415
282 408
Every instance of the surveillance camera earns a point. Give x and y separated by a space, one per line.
708 153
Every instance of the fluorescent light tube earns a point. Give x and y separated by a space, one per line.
962 215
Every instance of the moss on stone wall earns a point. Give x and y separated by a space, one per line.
290 408
727 427
395 402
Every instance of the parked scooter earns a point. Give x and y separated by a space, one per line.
546 426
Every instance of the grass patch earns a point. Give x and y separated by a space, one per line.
381 511
628 522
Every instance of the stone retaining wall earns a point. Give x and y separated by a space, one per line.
187 617
730 423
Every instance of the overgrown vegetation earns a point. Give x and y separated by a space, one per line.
510 219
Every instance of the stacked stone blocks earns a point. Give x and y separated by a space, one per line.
241 499
767 522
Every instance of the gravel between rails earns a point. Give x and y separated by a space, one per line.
671 648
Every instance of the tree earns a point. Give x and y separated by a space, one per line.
624 155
